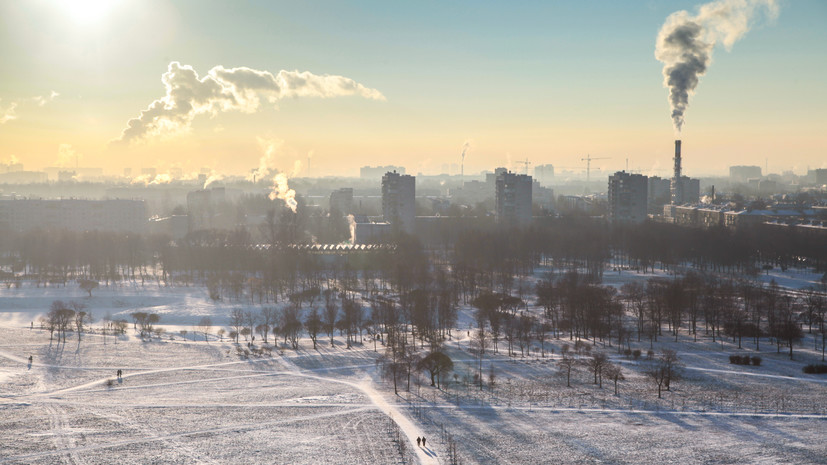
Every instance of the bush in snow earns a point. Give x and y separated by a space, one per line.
814 369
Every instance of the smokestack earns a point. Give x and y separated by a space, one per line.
677 159
677 184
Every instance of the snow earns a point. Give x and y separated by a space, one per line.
185 400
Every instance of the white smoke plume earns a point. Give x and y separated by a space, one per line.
235 89
466 146
685 44
8 113
213 177
268 161
282 191
67 157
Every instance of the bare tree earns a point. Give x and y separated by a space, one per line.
596 363
269 318
436 363
204 325
237 321
81 317
331 312
566 363
313 325
664 369
614 373
88 285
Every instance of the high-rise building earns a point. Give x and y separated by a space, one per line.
628 194
399 201
544 174
659 193
513 198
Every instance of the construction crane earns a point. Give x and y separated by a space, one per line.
588 161
525 164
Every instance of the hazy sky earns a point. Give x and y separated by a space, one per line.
403 83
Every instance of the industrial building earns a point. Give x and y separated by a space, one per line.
628 195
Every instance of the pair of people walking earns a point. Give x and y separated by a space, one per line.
420 441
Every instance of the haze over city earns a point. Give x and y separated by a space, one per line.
406 84
372 232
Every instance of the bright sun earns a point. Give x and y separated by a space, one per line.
87 11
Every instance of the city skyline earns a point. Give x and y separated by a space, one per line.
404 85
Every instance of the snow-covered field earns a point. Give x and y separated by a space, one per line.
184 400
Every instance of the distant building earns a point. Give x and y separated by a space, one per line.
203 209
544 174
741 174
73 215
376 172
628 195
512 197
370 233
175 226
341 200
23 177
399 200
658 193
685 190
818 176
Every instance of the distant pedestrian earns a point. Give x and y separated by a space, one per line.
423 441
418 440
30 359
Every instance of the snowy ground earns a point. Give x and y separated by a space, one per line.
187 401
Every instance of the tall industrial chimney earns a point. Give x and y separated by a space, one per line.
677 184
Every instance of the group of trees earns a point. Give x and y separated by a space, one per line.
696 304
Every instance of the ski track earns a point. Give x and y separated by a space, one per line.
171 436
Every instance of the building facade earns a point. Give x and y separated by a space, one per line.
399 201
628 197
513 198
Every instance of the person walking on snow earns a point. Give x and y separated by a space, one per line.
423 441
418 440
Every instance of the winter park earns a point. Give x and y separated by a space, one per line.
446 233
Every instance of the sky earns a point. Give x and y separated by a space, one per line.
324 87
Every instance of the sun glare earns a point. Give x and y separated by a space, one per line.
87 11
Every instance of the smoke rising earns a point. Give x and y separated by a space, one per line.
685 44
282 191
8 113
235 89
466 146
67 157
